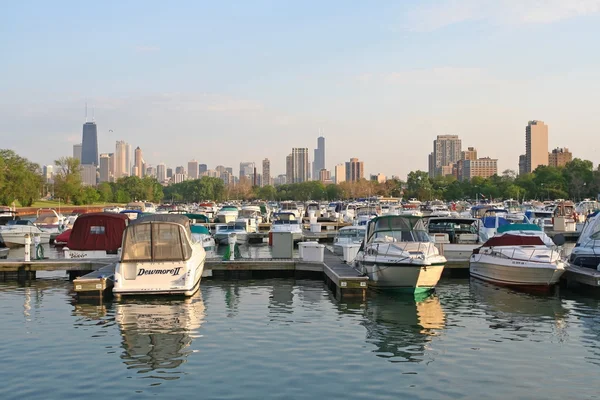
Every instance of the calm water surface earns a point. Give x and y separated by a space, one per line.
290 339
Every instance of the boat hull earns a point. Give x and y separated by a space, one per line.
12 240
411 277
508 272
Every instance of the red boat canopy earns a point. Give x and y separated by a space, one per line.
98 231
514 240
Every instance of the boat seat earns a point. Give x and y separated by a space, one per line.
467 238
441 238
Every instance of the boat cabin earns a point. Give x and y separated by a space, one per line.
156 238
397 228
98 231
454 230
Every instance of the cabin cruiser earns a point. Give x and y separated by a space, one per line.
542 218
159 256
96 235
398 253
455 238
348 235
586 253
437 208
149 208
290 207
228 213
349 212
334 211
520 255
314 209
251 212
13 233
491 218
287 222
222 232
49 220
365 214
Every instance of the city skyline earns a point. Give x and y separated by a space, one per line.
412 70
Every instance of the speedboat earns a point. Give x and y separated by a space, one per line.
48 220
159 256
228 214
290 207
13 233
398 253
519 255
222 232
348 235
287 222
455 238
96 235
364 214
200 232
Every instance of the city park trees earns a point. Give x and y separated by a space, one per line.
20 179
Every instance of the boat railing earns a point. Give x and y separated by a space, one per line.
547 258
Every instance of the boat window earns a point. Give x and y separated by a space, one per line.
168 244
97 230
137 242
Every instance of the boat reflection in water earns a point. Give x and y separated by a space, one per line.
157 333
522 312
403 326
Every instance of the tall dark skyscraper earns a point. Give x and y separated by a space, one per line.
89 144
319 160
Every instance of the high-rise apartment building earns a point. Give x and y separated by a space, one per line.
203 168
77 151
481 167
355 170
266 172
121 159
180 170
559 157
299 164
139 162
536 145
446 151
89 144
169 173
128 163
325 176
289 169
48 173
319 160
522 164
469 154
161 172
247 170
193 171
340 173
105 167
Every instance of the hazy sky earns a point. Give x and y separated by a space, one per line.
224 82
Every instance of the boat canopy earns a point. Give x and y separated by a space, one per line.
199 229
199 218
519 227
156 238
98 231
397 228
514 240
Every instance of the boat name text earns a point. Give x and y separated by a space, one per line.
171 271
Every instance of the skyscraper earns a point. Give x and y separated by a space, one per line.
161 172
193 169
299 164
247 170
77 151
446 151
355 170
536 145
203 168
266 172
127 159
139 162
289 169
121 159
89 144
169 173
105 170
319 160
88 174
180 170
340 173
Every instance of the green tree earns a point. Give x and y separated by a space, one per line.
20 179
67 179
105 192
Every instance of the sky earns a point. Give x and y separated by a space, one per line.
225 82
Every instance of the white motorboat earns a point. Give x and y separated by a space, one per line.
290 207
253 215
96 235
455 237
334 211
586 253
48 220
222 232
227 214
201 232
113 209
364 214
287 222
13 233
159 256
348 235
519 255
398 254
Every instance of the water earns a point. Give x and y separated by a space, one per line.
287 339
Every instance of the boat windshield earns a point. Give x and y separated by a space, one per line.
358 233
231 227
156 241
398 229
289 206
19 222
47 219
449 226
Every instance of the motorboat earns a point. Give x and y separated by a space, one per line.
113 209
222 232
491 218
200 232
349 212
251 212
586 253
132 214
542 218
287 222
7 215
136 205
334 211
228 213
455 237
313 209
96 235
364 214
398 253
13 233
149 208
290 207
348 241
519 255
159 256
48 220
62 238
